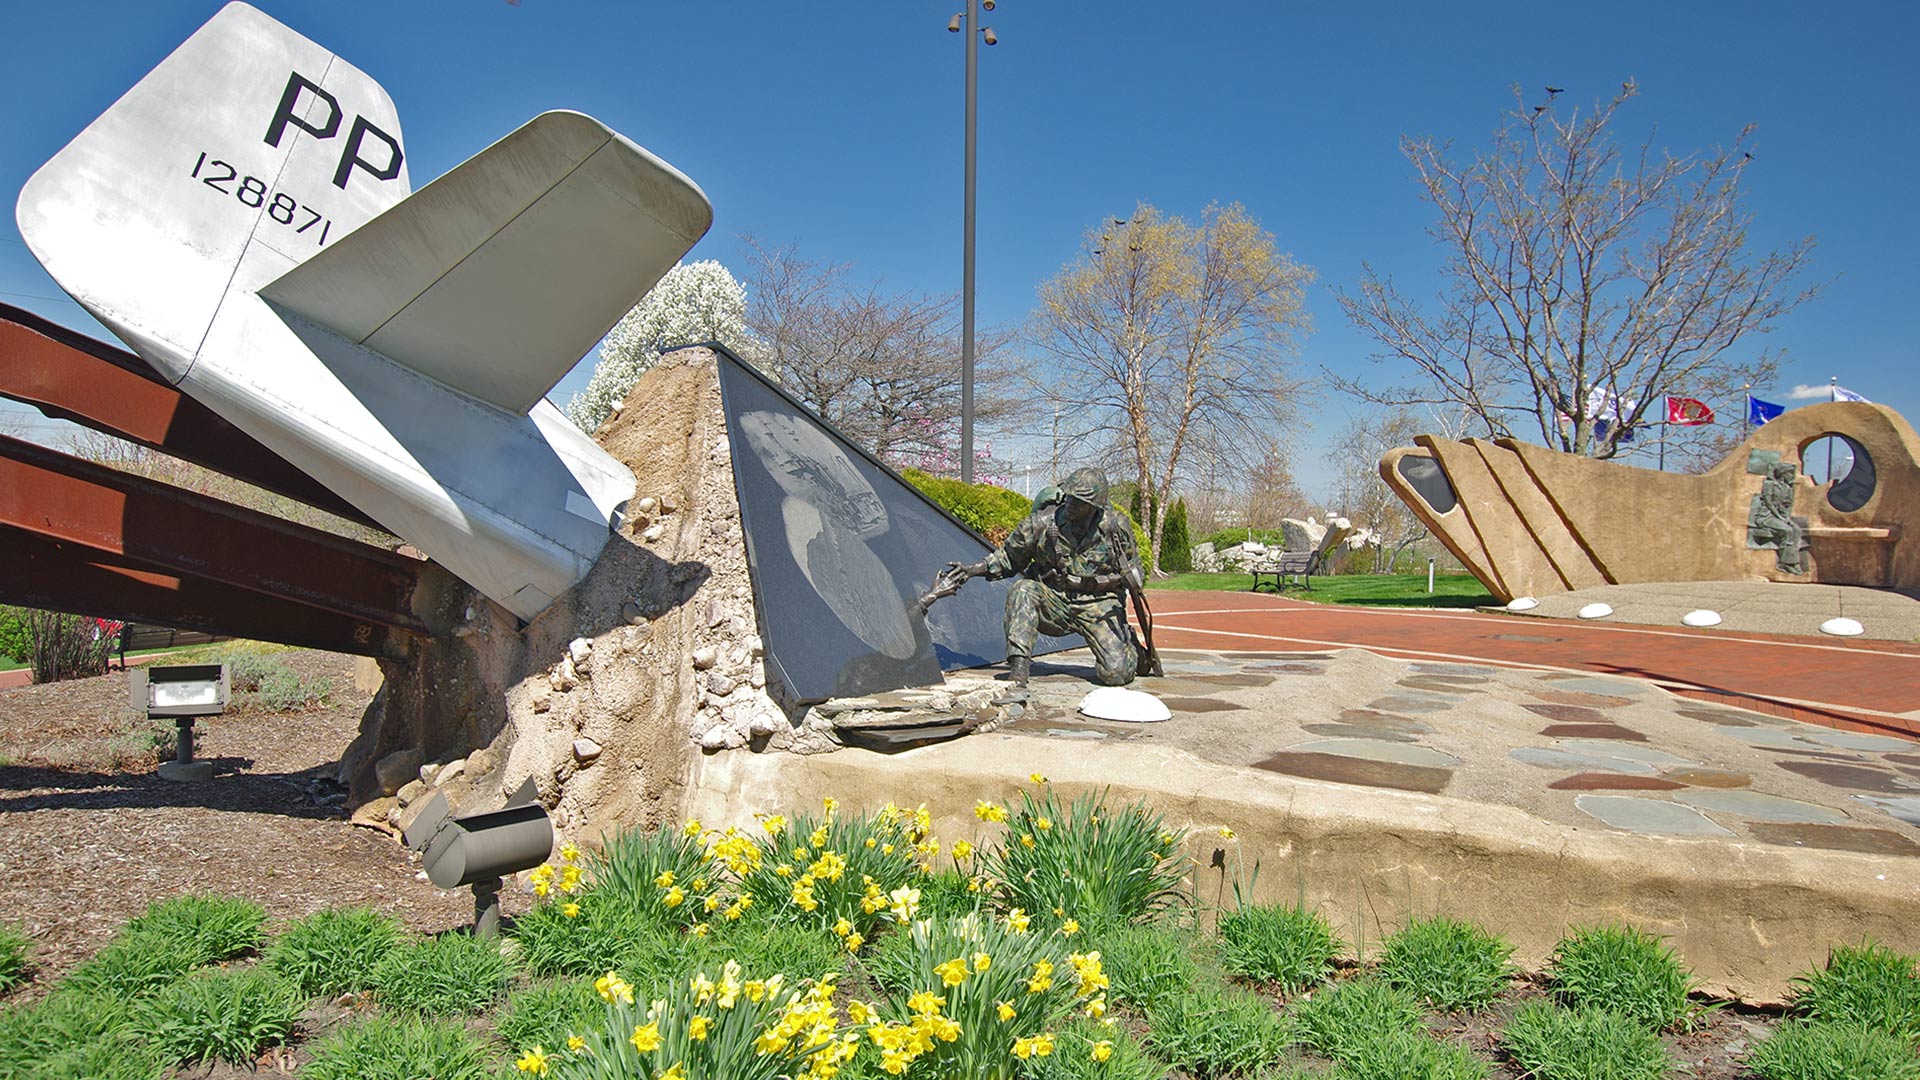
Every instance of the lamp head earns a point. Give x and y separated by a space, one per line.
988 37
953 24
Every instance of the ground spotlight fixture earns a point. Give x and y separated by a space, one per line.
953 25
987 36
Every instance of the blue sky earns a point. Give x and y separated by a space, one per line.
836 126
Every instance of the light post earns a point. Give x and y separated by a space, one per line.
975 33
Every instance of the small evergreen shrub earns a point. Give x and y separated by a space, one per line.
1869 985
227 1015
1176 546
1624 971
1217 1031
451 975
986 509
1281 944
334 951
384 1047
1448 964
1800 1050
1337 1020
1552 1043
16 640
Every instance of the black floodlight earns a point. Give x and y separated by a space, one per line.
181 692
480 849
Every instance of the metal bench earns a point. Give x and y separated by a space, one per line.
1279 565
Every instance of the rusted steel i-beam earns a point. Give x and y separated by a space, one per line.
39 572
178 532
73 377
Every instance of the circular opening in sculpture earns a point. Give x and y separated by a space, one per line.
1841 465
1425 477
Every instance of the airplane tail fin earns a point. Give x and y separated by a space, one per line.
246 151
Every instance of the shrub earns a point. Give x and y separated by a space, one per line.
396 1048
1336 1021
14 947
333 951
1088 861
1407 1055
1004 984
453 974
1176 546
1622 970
1869 985
1448 964
1838 1051
68 646
1217 1031
1288 945
259 677
548 1014
1149 964
213 928
219 1015
16 640
1552 1043
988 510
285 690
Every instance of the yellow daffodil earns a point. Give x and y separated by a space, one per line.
576 1044
962 849
691 828
859 1012
1018 921
854 941
698 1027
774 824
989 811
569 852
665 880
981 962
646 1038
613 989
1043 824
1226 833
1042 977
953 972
1006 1010
906 903
675 897
1102 1050
830 803
570 909
1026 839
1070 927
700 929
533 1061
678 1072
1038 778
925 1003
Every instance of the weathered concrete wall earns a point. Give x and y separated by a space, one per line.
1534 522
1746 917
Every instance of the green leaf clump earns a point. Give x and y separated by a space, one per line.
384 1047
1447 963
1217 1031
1288 945
1549 1042
1869 985
1337 1020
225 1015
334 951
454 974
1624 971
1802 1050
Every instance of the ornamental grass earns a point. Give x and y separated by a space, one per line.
1868 985
1287 945
334 951
1803 1050
1218 1031
384 1047
14 949
1447 963
453 974
225 1015
1338 1020
1087 861
1624 971
1550 1042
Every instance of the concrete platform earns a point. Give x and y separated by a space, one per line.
1757 607
1376 788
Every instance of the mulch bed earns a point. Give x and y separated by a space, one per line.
89 836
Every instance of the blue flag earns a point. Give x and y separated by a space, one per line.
1759 412
1600 428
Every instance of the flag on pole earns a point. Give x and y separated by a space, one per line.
1688 412
1759 412
1601 427
1841 393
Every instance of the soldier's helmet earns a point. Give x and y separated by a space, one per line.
1049 496
1087 485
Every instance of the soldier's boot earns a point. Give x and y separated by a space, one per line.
1019 671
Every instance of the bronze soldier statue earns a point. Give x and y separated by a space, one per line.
1078 563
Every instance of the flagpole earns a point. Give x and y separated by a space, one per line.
1746 414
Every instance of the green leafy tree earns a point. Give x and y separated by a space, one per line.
1176 546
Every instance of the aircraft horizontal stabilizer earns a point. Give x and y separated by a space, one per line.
496 278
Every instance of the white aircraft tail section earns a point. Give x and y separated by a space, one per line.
247 150
497 277
242 219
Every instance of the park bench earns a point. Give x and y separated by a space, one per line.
1280 565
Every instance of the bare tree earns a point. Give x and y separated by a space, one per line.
1170 339
1584 280
882 367
1358 491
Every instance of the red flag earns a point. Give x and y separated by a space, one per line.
1687 412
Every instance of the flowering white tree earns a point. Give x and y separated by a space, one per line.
693 302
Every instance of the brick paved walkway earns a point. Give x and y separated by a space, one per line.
1850 684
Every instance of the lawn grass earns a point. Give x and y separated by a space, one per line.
1364 590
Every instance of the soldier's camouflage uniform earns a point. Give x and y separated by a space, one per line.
1058 593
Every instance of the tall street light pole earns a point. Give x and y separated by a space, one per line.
975 33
